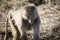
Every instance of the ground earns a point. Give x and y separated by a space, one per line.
50 22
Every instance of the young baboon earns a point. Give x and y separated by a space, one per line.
24 20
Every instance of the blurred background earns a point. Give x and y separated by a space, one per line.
49 11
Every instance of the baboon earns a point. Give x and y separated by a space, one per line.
23 20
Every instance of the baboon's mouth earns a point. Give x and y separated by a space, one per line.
31 21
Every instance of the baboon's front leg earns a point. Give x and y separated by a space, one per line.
24 35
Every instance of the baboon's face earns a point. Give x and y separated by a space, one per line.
31 14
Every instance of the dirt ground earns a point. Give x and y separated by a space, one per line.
50 21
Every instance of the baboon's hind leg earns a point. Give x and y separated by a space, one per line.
6 30
15 31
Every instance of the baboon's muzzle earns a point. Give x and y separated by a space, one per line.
31 20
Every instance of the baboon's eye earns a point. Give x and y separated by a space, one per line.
30 14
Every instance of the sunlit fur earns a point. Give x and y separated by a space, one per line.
17 19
